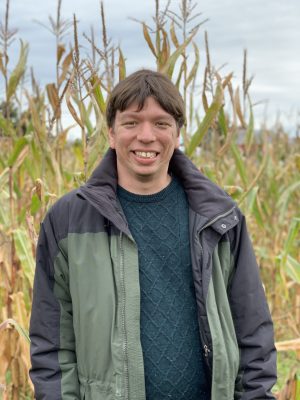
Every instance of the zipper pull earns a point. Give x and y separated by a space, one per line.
206 350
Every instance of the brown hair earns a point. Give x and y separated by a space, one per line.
140 85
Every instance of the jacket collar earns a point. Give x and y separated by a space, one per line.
204 197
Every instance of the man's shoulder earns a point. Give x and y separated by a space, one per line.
60 213
63 204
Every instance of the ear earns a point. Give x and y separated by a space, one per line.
111 138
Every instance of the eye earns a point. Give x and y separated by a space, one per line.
129 124
162 124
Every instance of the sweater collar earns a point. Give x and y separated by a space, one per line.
204 197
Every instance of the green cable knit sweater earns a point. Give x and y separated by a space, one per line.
174 367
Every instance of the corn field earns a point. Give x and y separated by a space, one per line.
260 169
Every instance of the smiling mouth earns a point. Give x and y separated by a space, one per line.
145 154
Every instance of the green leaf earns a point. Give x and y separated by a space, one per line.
209 117
251 199
292 268
18 72
222 122
257 214
98 95
35 204
250 130
24 253
292 235
240 164
18 147
283 200
6 126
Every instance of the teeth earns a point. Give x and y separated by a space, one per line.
145 154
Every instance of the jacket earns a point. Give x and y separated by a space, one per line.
84 329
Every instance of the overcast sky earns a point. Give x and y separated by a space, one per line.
269 30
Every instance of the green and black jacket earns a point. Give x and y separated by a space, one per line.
85 322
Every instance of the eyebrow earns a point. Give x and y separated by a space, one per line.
133 114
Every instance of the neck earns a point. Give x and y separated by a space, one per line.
144 186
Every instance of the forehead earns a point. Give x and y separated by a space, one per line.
151 108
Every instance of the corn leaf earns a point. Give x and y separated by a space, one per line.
65 68
250 131
24 253
164 54
18 147
239 162
173 35
192 75
98 94
148 39
17 326
53 97
2 68
72 110
292 268
222 122
60 51
293 233
209 117
122 66
285 197
18 72
169 66
238 107
6 127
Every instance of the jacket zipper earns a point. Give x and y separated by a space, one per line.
207 350
125 345
205 346
215 219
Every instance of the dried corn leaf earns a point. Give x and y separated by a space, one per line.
238 108
169 66
53 97
148 39
227 80
72 109
122 66
65 68
208 119
59 53
2 68
164 54
193 73
173 35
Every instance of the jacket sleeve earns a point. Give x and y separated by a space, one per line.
253 323
53 358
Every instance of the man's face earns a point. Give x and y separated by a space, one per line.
144 142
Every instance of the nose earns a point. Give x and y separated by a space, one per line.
145 133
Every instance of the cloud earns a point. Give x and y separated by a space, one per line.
269 30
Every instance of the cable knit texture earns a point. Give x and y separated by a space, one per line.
174 367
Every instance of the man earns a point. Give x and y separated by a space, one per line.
146 283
